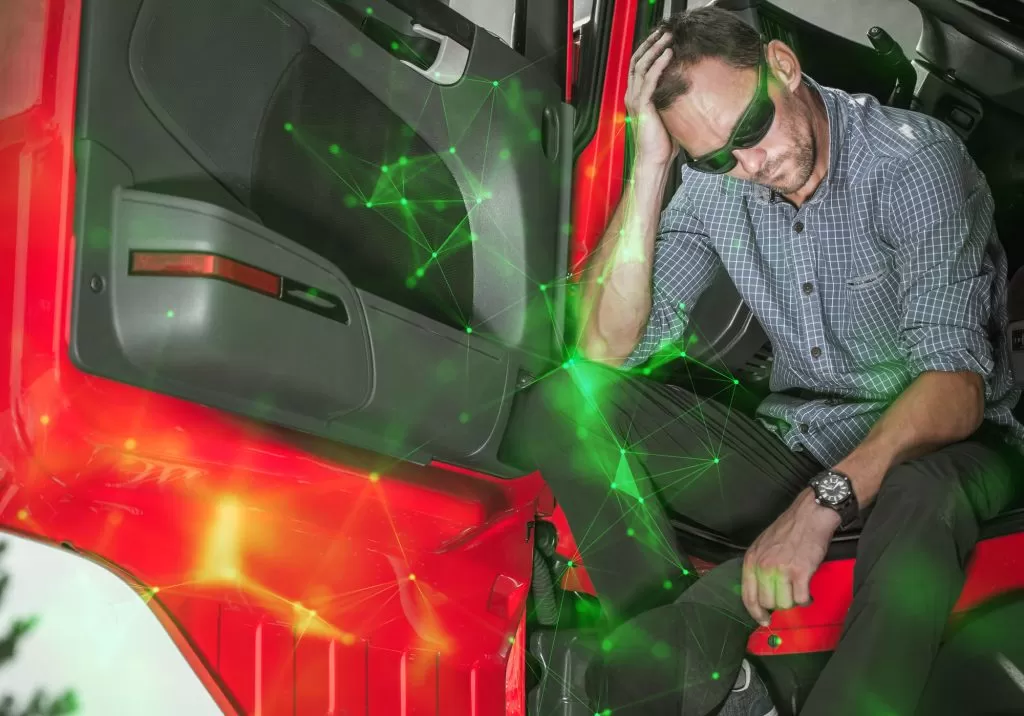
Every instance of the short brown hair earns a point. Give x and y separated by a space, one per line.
699 34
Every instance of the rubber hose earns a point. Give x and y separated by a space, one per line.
543 588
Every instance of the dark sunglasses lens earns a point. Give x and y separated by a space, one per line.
718 163
755 125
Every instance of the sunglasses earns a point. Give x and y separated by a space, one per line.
751 128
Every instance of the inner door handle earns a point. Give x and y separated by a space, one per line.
449 66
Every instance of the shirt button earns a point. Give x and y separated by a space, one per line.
816 352
805 428
808 288
798 227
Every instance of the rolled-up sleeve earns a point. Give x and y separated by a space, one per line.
684 265
941 214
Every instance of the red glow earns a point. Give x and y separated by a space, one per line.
167 263
283 577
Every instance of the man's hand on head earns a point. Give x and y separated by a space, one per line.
778 567
653 142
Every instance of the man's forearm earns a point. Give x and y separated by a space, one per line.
616 298
937 409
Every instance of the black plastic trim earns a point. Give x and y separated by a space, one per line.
587 95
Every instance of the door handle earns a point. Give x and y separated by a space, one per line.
449 66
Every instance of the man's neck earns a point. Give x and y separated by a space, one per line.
819 127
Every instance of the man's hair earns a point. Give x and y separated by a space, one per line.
700 34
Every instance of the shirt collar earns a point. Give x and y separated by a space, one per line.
835 176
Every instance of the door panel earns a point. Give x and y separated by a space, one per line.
417 161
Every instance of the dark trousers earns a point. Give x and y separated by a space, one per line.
621 453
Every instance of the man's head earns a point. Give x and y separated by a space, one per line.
711 83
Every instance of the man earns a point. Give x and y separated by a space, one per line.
862 238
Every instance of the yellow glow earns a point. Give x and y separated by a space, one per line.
412 577
129 444
22 514
220 559
374 477
45 420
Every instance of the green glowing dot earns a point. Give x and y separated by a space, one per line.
495 83
582 433
716 461
606 712
384 168
463 418
667 584
468 329
686 572
394 45
543 287
410 282
735 381
170 314
630 532
288 126
334 149
682 354
479 200
369 11
570 563
646 371
715 675
451 150
433 254
369 205
622 451
534 135
615 486
628 120
504 154
402 161
640 500
606 645
600 280
775 641
403 201
473 237
420 272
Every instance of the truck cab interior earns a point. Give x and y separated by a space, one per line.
322 243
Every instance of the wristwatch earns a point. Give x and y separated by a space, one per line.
834 490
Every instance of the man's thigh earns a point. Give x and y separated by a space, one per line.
627 439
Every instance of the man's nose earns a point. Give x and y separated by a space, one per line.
750 160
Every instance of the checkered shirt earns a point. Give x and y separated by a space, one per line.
891 268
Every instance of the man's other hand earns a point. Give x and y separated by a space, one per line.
778 567
653 142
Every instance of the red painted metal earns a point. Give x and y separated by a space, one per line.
292 583
996 568
598 178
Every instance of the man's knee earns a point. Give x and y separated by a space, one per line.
721 589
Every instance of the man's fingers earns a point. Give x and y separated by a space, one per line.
750 595
802 590
656 36
783 591
766 579
653 74
644 62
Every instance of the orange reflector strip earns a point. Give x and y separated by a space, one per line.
194 264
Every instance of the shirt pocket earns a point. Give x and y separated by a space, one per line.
875 312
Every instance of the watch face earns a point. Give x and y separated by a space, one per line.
833 489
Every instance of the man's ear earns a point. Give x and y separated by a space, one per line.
784 64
